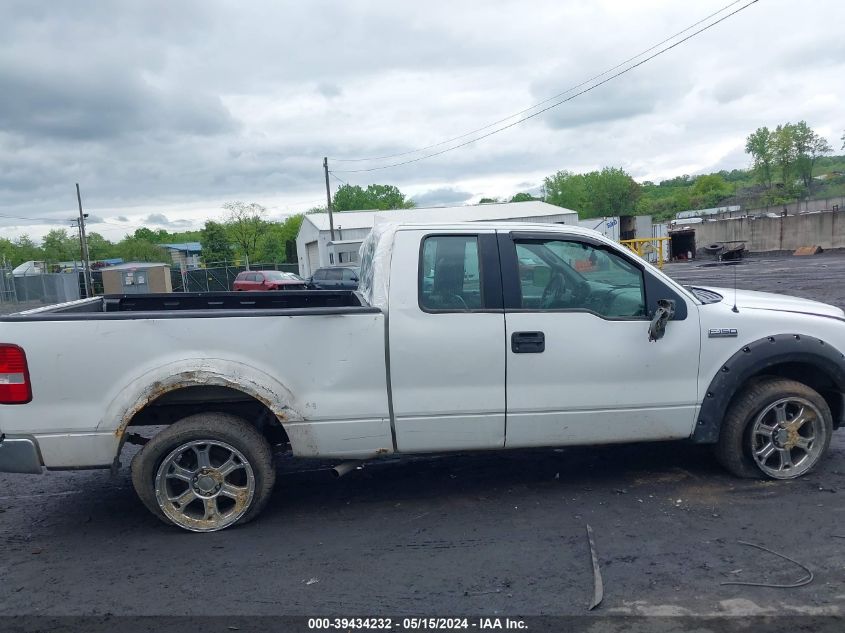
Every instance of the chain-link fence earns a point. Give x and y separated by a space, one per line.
217 278
46 288
7 285
51 288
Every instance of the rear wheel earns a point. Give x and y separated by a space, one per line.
205 472
775 428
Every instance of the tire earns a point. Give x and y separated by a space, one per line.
763 435
205 473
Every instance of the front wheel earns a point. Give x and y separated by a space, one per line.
205 472
775 428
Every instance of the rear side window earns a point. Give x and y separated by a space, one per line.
320 275
450 274
335 274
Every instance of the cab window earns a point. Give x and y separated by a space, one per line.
572 275
450 274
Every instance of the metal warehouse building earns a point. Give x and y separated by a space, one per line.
315 247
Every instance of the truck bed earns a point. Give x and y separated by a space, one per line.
199 304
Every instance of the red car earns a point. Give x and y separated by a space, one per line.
268 280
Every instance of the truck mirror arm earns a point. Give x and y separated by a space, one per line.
665 311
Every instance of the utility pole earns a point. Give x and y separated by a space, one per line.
328 196
86 263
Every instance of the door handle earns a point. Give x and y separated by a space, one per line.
528 342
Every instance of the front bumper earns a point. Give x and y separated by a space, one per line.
19 455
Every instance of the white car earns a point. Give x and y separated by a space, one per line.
461 337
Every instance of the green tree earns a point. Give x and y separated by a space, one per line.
216 246
279 239
783 146
8 252
610 191
489 201
381 197
148 235
567 190
523 197
809 147
98 247
59 246
26 250
245 225
760 144
709 190
133 249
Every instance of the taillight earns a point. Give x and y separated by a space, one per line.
14 376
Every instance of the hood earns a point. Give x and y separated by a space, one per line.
771 301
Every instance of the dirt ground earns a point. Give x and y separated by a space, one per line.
495 533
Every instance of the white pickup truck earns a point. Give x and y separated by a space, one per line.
462 337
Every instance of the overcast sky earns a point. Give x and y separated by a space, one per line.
162 111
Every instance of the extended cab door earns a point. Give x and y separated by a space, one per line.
581 369
446 341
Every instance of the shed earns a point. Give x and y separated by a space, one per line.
316 249
137 278
185 254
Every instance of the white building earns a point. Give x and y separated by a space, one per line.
315 248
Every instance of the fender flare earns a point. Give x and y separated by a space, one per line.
197 372
751 360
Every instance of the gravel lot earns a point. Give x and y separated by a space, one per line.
463 534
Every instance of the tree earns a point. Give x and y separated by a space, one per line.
215 241
381 197
99 247
567 190
246 224
278 242
148 235
133 249
523 197
26 250
489 201
709 190
809 147
760 145
610 191
59 246
783 146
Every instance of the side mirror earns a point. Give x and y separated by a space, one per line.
657 327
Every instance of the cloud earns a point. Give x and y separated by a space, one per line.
165 106
329 90
444 196
159 219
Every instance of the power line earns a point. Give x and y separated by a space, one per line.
340 180
537 105
18 217
557 103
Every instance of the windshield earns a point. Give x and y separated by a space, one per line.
276 275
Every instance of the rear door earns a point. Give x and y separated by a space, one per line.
446 341
581 369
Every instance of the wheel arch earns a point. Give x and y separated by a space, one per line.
147 389
806 359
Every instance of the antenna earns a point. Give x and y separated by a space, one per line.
734 309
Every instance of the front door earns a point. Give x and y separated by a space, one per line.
580 367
